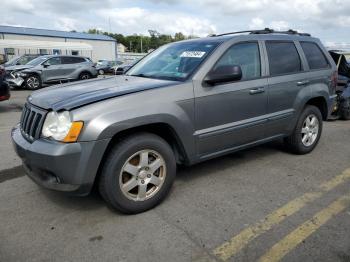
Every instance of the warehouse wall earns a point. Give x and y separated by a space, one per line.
101 49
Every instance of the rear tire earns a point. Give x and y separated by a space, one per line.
307 132
138 173
84 76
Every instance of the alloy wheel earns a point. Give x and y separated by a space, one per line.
33 82
142 175
310 130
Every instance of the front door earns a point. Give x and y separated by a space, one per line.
230 115
52 69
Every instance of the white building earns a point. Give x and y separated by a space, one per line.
121 48
16 41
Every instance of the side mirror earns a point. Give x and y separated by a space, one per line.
224 74
46 65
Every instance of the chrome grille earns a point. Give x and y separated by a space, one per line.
31 122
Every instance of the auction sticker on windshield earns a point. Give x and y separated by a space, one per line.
193 54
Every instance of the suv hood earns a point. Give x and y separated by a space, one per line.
73 95
17 67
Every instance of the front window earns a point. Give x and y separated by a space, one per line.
245 55
175 61
37 61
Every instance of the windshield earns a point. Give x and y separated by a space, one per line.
37 61
176 61
11 61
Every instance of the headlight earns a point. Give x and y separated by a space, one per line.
60 127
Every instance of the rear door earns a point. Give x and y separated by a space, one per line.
287 79
70 66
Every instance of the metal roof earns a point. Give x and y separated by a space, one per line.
52 33
31 44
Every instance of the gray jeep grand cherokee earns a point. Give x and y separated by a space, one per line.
182 104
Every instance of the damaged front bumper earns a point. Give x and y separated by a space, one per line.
16 82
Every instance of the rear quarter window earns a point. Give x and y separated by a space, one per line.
283 58
314 56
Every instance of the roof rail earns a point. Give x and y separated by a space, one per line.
264 31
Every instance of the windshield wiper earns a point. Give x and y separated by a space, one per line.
141 75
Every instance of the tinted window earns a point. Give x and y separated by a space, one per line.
54 61
283 58
314 56
72 60
247 56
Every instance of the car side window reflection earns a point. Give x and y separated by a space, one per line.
245 55
54 61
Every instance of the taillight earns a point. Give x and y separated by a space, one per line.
334 81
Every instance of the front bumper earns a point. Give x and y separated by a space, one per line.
59 166
16 82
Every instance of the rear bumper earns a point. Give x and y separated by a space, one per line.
332 105
58 166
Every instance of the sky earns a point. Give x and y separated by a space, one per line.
326 19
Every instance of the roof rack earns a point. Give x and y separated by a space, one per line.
264 31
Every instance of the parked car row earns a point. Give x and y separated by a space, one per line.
48 69
107 67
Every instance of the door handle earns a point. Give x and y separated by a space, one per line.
257 91
303 83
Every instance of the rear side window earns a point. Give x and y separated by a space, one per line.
283 58
314 56
72 60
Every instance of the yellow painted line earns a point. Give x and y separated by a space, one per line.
292 240
238 242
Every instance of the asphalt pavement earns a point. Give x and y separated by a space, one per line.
259 204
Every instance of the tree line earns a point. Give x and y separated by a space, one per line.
143 43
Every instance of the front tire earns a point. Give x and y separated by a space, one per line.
138 173
307 132
33 82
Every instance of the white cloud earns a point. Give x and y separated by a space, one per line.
66 24
139 20
328 19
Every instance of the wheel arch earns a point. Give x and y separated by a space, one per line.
321 103
163 130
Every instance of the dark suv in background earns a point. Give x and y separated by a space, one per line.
184 103
50 69
20 60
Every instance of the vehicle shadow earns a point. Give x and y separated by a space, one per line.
236 159
184 174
